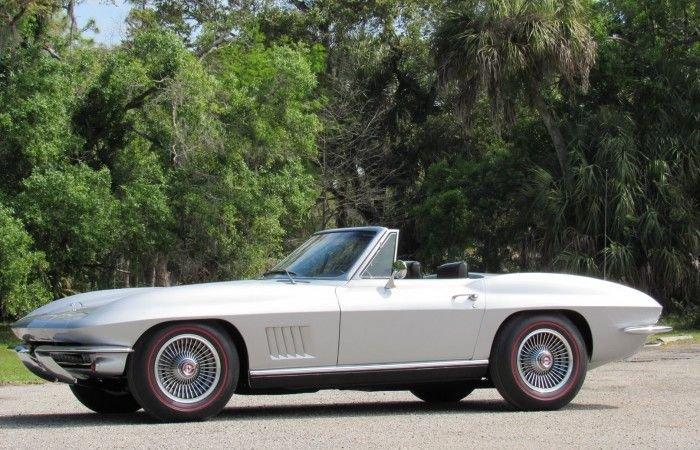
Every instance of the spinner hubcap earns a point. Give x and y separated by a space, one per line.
545 360
187 368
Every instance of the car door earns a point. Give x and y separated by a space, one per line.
419 320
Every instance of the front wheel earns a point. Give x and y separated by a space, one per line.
539 362
104 400
184 371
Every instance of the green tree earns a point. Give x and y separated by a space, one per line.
22 286
210 157
234 223
25 22
516 49
218 134
470 204
35 106
72 216
631 213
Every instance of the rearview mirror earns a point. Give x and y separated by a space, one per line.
399 270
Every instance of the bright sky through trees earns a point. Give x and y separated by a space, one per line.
108 16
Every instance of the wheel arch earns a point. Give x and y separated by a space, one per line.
575 317
230 330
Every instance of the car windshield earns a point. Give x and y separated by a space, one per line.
325 255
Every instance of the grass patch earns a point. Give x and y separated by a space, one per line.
12 371
682 326
695 334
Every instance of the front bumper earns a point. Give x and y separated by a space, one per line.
68 364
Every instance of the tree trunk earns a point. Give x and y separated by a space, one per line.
127 273
341 220
552 128
70 9
162 274
151 276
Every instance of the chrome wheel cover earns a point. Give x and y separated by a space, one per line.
545 360
187 368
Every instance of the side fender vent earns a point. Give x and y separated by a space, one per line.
288 342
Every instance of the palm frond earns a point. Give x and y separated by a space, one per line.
511 43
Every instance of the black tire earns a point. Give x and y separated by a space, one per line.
567 366
105 401
443 392
150 389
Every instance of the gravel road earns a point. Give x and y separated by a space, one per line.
651 401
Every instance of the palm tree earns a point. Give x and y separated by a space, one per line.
627 215
508 47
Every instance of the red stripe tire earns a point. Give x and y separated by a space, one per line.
538 362
184 371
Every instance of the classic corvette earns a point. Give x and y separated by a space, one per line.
340 312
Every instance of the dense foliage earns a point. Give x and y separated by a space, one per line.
518 135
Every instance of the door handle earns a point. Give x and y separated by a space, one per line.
470 297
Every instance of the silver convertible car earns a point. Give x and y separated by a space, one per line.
340 312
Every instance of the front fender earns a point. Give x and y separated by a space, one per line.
607 307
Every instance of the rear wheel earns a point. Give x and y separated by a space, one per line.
539 362
443 392
105 400
184 371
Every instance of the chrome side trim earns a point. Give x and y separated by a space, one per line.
82 349
648 329
369 367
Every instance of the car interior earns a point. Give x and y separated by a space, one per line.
458 269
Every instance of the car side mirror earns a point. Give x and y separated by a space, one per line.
399 270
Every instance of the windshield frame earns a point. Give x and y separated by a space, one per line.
366 255
382 242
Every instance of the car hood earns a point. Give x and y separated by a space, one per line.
84 302
123 305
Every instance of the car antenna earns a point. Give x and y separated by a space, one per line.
605 229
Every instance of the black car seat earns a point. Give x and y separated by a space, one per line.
457 269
